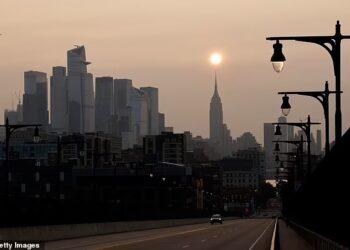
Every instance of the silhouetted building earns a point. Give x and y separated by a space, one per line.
81 103
14 116
103 103
189 141
245 141
123 111
139 109
216 120
220 135
167 147
169 129
101 150
257 156
203 150
90 150
59 99
269 134
318 147
35 98
239 181
161 120
153 110
227 141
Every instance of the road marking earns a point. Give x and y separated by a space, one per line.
256 241
186 246
203 240
113 246
274 236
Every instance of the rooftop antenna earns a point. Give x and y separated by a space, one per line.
18 95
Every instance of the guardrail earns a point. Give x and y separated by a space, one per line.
59 232
317 241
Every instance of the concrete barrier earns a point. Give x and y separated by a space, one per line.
58 232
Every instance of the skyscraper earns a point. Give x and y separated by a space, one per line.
103 103
153 110
35 98
139 105
318 150
220 135
216 117
269 150
59 101
80 93
123 110
161 121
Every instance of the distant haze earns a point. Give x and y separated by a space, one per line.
167 44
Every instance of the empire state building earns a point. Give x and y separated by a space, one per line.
216 118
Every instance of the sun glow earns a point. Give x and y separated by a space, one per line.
215 58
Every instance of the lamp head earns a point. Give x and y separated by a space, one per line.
36 138
285 105
277 158
277 58
278 130
277 149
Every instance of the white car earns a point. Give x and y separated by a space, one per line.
216 218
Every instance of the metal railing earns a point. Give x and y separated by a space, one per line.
316 240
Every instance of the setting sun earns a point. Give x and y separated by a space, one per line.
215 58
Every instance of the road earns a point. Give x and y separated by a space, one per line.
235 234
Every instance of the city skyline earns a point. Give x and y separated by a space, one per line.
180 57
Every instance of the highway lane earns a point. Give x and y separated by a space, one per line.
235 234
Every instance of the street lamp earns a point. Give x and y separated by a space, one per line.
285 105
298 155
277 147
332 44
9 129
36 137
277 58
306 127
278 130
321 96
277 158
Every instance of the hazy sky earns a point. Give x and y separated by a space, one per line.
167 44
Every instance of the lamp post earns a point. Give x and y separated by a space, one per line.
321 96
289 172
9 129
298 154
332 44
306 127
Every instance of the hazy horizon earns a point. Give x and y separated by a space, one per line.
167 45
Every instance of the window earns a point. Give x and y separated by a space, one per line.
61 176
37 176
